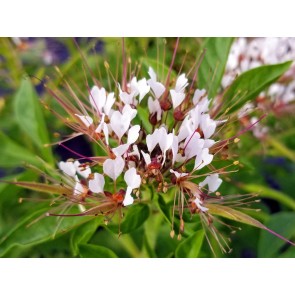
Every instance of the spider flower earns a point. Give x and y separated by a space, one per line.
137 151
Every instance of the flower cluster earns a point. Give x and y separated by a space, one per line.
173 149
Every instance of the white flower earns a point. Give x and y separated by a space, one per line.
177 174
161 137
133 135
157 87
103 127
83 171
140 88
198 95
96 184
213 181
177 94
127 98
133 181
100 101
199 203
68 168
155 108
208 125
203 159
78 188
71 168
147 158
87 121
113 168
120 122
193 145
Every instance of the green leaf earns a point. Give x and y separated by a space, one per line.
28 233
30 118
190 247
282 223
212 67
281 148
136 215
13 154
94 251
249 84
83 234
269 193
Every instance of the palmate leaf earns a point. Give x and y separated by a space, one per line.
249 84
238 216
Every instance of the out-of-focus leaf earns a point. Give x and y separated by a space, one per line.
94 251
30 118
12 154
282 223
269 193
135 217
83 234
212 68
249 84
190 247
143 116
281 148
26 233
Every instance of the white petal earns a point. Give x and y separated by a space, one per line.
152 140
174 148
132 179
79 188
197 95
121 149
120 123
113 168
68 168
96 185
203 159
143 88
109 103
133 134
157 87
181 83
208 125
126 97
155 107
213 182
128 200
87 121
177 174
198 202
84 172
147 158
97 98
193 145
177 98
129 111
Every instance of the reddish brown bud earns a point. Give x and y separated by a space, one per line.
178 114
153 119
165 104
